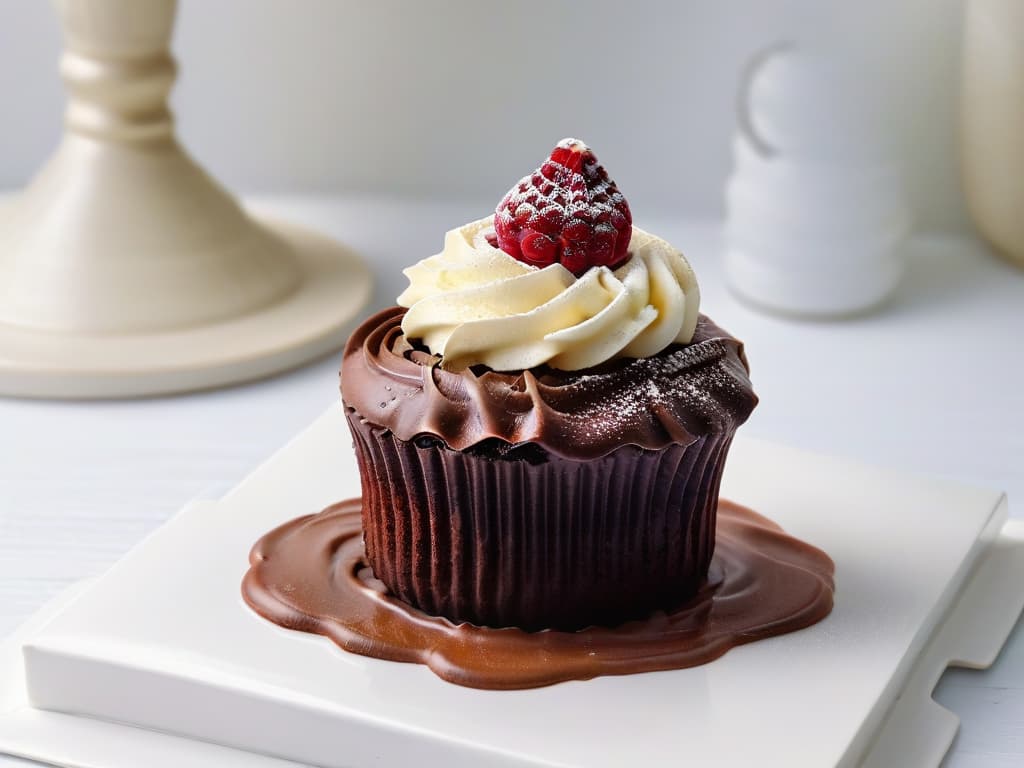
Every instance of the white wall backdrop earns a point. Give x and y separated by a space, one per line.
458 98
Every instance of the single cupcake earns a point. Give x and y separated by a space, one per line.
541 425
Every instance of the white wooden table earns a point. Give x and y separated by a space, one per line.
933 383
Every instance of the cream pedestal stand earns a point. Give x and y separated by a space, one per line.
124 268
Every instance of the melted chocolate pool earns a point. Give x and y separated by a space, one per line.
310 574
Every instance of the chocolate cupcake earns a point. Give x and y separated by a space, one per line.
541 427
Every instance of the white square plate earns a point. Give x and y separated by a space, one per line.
164 641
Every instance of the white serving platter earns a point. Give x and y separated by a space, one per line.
160 656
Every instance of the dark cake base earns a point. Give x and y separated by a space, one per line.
311 575
514 536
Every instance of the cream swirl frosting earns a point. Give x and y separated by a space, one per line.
475 304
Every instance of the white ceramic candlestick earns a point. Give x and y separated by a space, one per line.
124 268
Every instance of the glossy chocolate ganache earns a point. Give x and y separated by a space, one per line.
311 575
672 398
541 498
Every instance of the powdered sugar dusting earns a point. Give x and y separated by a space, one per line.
676 397
567 211
698 380
567 201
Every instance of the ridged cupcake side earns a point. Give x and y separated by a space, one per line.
537 541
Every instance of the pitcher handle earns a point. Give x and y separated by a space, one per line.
744 117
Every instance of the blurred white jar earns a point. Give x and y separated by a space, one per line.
814 197
816 213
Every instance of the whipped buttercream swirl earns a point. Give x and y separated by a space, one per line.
475 304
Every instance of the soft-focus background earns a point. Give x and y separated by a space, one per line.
435 98
324 111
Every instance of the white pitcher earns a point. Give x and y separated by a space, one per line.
816 213
813 104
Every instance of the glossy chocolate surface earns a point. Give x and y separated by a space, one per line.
311 575
673 397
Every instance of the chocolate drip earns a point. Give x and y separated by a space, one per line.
674 397
311 575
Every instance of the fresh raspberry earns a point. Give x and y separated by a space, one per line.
568 211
